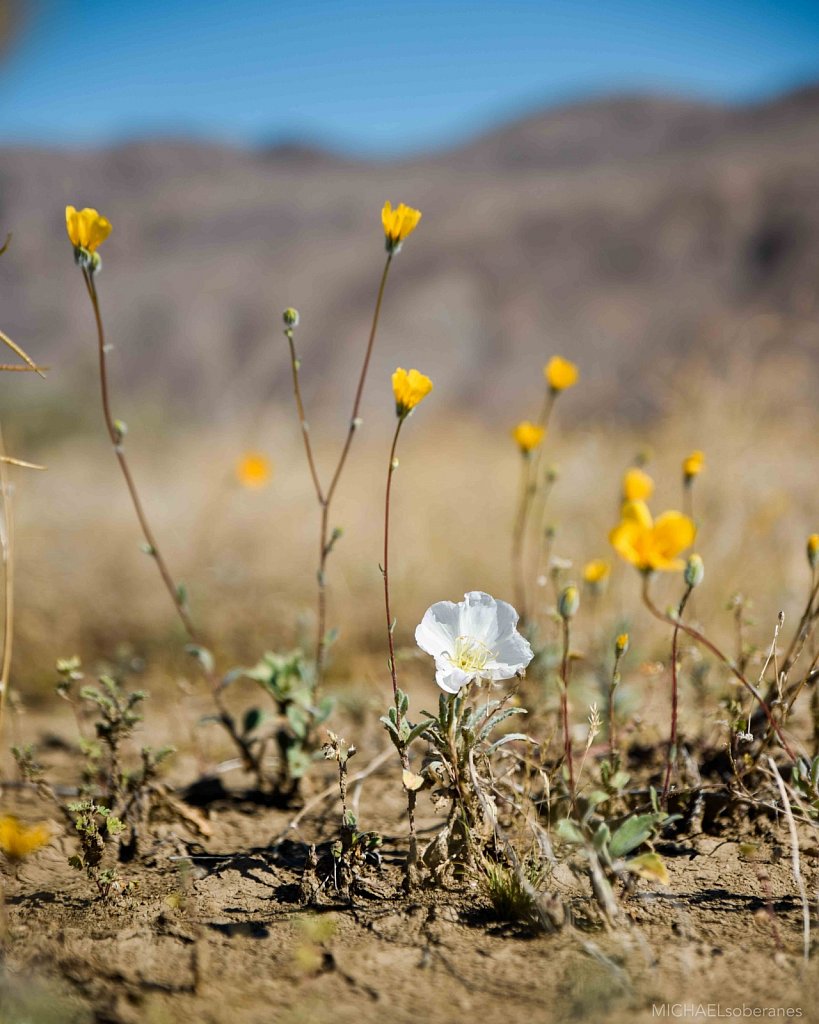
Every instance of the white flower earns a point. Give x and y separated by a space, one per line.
475 639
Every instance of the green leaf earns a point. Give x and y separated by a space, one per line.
251 720
509 738
632 833
568 831
298 720
496 720
298 762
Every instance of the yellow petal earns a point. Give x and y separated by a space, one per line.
637 485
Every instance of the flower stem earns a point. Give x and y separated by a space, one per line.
671 755
700 639
565 668
116 441
613 684
305 429
325 546
385 568
519 535
412 857
251 762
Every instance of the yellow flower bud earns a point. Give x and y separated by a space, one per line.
560 374
693 466
568 602
596 575
694 571
813 550
398 224
637 485
528 436
410 388
621 645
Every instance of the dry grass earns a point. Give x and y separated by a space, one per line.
248 557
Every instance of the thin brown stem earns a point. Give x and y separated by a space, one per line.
519 535
412 857
115 435
565 668
305 428
671 755
325 543
732 668
613 684
385 568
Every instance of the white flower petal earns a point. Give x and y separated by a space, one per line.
514 651
450 678
438 629
479 617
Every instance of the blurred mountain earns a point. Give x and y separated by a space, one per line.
634 234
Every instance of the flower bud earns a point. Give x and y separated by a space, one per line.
568 602
694 571
813 550
621 645
290 317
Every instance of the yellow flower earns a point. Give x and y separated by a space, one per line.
253 470
693 465
398 223
621 645
637 485
18 841
596 572
651 545
560 373
410 388
86 228
528 436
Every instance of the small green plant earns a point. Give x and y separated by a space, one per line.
607 844
290 681
353 848
457 770
96 826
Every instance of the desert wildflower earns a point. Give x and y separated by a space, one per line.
87 230
813 550
253 470
649 544
409 387
18 841
637 485
398 224
528 436
621 643
560 374
473 640
596 573
693 465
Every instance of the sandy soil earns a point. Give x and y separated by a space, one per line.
215 931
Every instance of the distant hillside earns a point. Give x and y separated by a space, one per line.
631 234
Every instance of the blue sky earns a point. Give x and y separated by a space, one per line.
376 76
